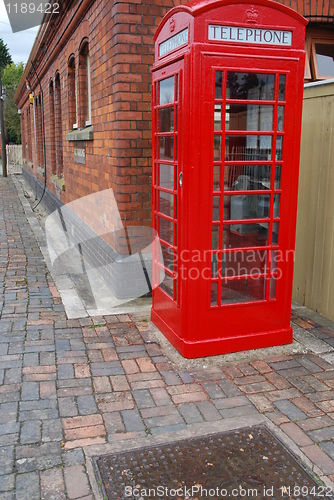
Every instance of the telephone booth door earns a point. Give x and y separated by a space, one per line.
166 189
248 242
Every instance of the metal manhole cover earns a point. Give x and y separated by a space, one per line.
247 463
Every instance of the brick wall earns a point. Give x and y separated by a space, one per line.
121 50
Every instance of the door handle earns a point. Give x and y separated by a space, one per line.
180 178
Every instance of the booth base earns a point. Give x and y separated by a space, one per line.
222 345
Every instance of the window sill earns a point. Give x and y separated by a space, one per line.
84 134
59 182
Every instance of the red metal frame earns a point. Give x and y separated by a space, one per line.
196 324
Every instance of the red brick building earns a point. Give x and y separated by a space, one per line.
93 61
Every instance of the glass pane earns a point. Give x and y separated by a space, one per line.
166 230
247 177
249 117
275 232
215 237
166 120
167 285
216 177
245 235
280 118
215 208
277 199
167 254
214 265
218 117
281 88
217 147
176 115
166 147
279 147
325 58
248 147
166 203
272 287
166 179
247 290
214 293
240 263
274 261
249 206
252 86
278 177
219 85
167 91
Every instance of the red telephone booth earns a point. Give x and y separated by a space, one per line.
226 104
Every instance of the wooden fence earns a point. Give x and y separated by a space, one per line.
314 265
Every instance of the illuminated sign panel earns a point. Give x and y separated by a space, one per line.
250 35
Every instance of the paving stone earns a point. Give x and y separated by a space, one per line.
208 410
222 404
27 486
86 405
51 430
13 376
76 482
67 407
170 378
296 434
161 396
30 390
119 383
328 447
229 389
113 423
190 413
143 398
73 457
132 420
168 428
319 457
30 432
52 485
6 459
7 483
65 371
290 410
315 423
213 390
324 434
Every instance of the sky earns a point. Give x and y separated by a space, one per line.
19 44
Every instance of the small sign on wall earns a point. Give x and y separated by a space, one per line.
80 152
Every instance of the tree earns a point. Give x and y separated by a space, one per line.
5 59
10 78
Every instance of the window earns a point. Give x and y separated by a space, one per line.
84 85
58 128
323 59
72 94
29 135
39 131
52 128
319 51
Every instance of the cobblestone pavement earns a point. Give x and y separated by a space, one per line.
74 388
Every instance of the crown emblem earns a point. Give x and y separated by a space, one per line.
172 24
252 15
